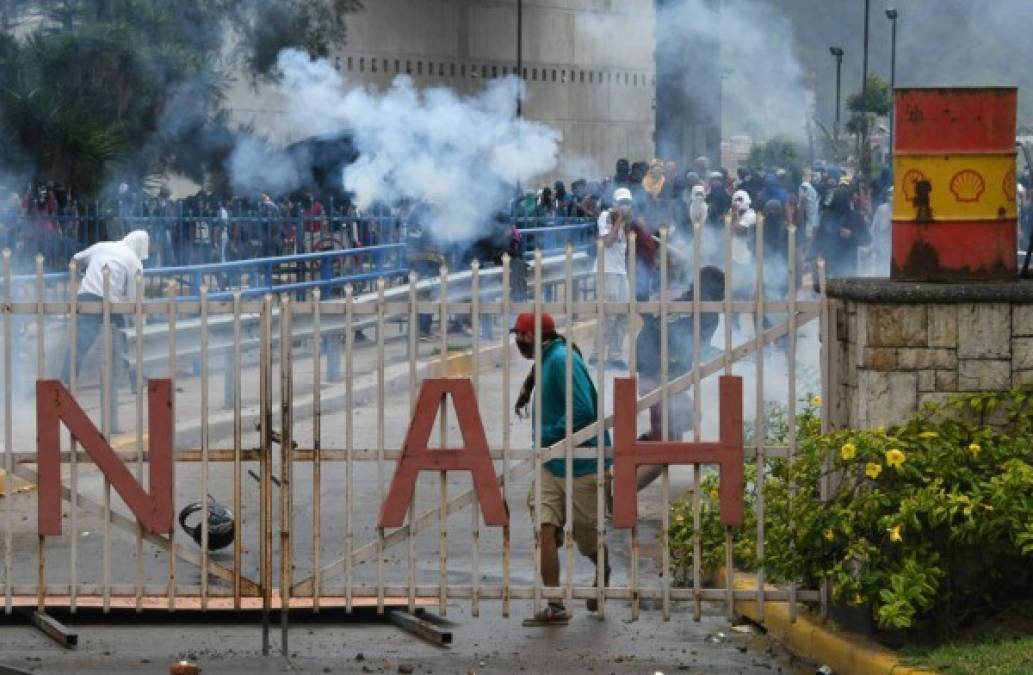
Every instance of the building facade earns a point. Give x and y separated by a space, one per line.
588 66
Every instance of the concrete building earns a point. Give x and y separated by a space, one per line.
588 65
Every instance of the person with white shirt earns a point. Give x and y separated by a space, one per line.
614 226
123 259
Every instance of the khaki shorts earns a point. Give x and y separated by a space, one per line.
554 508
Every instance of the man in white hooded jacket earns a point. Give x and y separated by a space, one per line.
123 259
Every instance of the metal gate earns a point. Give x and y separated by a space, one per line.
300 433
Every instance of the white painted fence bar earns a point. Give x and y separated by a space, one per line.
327 570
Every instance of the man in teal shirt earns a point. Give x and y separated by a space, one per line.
584 405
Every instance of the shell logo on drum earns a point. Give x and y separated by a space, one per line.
1009 185
910 179
967 186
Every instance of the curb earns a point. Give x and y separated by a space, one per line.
811 638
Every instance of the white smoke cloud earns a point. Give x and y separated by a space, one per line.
763 92
465 154
762 80
257 166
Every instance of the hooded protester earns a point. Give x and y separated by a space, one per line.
697 207
718 201
773 189
807 211
654 181
701 165
675 183
841 232
123 259
776 250
622 175
564 201
680 335
744 232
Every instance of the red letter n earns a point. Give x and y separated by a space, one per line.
54 404
629 453
473 456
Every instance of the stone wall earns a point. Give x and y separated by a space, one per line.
899 346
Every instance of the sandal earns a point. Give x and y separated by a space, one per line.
552 615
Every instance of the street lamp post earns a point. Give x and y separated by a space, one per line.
520 53
838 53
891 14
864 67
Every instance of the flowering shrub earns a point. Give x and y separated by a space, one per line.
929 523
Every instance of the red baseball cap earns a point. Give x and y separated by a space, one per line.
525 324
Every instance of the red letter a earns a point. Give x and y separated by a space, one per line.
473 457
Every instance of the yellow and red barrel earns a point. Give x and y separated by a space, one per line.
954 211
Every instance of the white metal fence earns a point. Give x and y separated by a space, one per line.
303 462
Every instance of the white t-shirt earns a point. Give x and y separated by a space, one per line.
615 256
122 263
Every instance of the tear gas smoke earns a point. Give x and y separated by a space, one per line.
257 166
464 154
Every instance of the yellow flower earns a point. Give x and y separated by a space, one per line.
894 458
872 470
974 449
679 519
816 401
928 434
895 533
848 451
830 534
857 600
713 495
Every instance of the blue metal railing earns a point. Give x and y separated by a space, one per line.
330 270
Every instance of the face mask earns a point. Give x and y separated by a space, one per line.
526 348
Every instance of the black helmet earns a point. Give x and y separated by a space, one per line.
220 524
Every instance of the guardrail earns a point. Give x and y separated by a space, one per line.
223 335
190 237
323 269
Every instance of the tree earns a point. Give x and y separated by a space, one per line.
866 107
779 152
94 92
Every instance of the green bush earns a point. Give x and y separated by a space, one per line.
929 524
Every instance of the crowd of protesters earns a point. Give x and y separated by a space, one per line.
202 228
836 218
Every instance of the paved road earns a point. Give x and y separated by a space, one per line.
489 644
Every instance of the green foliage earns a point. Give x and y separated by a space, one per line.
778 152
929 524
877 99
97 90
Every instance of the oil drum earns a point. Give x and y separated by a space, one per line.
954 210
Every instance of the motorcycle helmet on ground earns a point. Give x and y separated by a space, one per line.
220 524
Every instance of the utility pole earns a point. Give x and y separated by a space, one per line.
520 54
891 14
838 53
864 67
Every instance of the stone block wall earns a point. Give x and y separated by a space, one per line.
895 348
